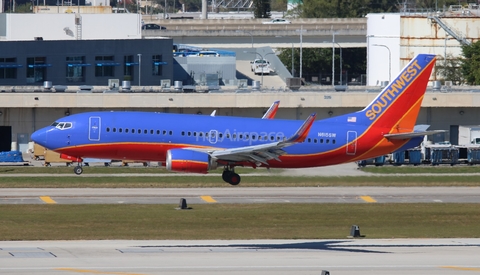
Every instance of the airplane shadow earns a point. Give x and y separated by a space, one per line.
340 246
320 246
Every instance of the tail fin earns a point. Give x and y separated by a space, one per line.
398 105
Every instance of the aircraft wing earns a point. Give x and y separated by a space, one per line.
260 154
412 134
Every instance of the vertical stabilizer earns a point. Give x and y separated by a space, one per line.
398 105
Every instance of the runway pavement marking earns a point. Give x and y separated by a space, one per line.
95 271
47 199
462 268
208 199
367 199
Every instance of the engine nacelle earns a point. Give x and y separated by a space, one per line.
189 161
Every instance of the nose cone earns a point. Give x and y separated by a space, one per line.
40 137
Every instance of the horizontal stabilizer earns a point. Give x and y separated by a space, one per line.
412 134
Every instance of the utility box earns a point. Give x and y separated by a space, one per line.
294 83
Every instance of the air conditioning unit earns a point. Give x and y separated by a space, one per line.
165 83
448 83
242 83
113 83
294 83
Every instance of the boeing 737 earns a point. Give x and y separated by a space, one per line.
199 143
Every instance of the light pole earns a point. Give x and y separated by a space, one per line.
389 60
139 68
301 30
292 62
341 71
333 59
251 35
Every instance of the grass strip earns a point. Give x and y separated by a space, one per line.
112 170
247 181
237 221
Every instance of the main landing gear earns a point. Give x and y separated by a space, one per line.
230 176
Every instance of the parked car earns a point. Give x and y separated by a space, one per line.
260 66
153 27
277 21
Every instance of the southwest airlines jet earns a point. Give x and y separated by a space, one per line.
199 143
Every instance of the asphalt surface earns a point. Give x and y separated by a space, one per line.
240 195
339 257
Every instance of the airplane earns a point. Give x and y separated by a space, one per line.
200 143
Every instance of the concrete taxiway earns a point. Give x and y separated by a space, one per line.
339 257
241 195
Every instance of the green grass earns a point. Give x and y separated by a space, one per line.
111 170
72 181
237 221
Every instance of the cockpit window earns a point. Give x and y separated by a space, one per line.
62 125
54 124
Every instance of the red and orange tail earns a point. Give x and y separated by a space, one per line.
398 105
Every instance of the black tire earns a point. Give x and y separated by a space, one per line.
226 176
234 179
78 170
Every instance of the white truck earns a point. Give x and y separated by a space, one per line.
260 66
469 134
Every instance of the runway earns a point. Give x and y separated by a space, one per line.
240 195
339 257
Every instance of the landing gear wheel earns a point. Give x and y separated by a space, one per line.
234 178
78 170
226 175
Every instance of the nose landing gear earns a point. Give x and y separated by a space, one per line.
78 169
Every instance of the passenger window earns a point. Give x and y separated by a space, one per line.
254 137
240 136
119 130
108 129
321 140
139 131
126 130
200 134
272 138
309 140
189 133
220 135
333 141
315 140
327 141
170 133
183 133
158 132
151 132
145 131
164 132
114 130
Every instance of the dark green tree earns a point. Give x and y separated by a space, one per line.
261 8
450 70
471 63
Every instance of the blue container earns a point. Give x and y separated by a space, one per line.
415 157
11 156
380 161
398 158
473 155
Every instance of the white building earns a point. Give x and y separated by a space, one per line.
393 39
69 26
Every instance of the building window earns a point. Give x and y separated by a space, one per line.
76 68
105 66
8 68
128 67
37 69
157 64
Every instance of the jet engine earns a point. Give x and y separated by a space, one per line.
189 161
